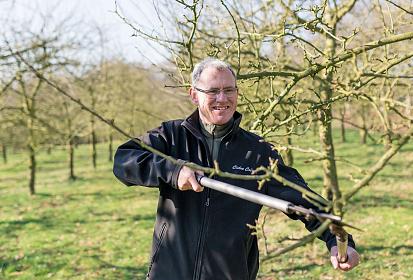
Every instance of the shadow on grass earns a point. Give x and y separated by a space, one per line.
290 269
128 272
41 263
44 194
393 250
110 217
11 227
383 201
396 177
139 217
96 196
135 218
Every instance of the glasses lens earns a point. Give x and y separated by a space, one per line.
230 91
226 91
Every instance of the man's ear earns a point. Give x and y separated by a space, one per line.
194 96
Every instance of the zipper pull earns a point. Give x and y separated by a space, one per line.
207 202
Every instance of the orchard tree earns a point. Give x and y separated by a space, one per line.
300 62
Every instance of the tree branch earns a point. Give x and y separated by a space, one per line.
379 165
400 7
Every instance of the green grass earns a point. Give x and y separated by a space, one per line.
90 228
384 210
94 228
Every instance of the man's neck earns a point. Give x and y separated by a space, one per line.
215 129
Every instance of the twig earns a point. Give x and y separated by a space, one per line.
307 239
238 36
400 7
373 170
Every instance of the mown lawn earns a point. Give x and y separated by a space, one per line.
94 228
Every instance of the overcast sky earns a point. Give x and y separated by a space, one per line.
92 13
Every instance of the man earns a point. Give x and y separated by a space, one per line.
203 234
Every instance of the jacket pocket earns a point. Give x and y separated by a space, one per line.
158 246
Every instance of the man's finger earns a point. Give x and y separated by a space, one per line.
195 185
186 187
344 266
334 262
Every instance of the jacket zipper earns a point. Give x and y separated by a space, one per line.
200 245
158 246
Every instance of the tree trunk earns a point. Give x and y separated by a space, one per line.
49 150
363 135
409 106
31 147
387 141
363 129
94 140
71 160
32 168
343 128
289 158
330 182
4 153
110 146
315 129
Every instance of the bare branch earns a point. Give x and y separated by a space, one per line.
379 165
305 240
400 7
344 9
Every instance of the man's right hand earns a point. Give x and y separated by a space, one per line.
187 180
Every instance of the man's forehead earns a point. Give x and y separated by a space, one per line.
211 74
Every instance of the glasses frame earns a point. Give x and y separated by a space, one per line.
215 92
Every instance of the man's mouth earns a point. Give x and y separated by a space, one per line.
220 108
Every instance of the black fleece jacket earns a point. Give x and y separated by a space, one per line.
205 235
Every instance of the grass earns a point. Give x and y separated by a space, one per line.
90 228
94 228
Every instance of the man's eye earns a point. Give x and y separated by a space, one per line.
214 91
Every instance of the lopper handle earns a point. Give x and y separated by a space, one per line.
285 206
245 194
342 242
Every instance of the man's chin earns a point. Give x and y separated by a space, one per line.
221 120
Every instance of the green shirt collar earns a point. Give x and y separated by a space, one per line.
215 130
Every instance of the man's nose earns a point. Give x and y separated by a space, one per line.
221 95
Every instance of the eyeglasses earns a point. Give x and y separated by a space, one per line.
215 91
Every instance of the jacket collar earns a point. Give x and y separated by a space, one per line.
192 123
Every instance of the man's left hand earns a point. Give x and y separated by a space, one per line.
353 259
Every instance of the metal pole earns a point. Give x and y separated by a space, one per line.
252 196
336 227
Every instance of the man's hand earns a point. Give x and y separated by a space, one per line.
187 180
353 259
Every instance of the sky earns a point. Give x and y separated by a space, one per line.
92 13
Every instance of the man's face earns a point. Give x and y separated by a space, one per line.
215 109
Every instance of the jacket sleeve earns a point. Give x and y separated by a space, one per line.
276 189
134 165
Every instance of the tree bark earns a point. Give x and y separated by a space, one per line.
342 125
4 153
32 168
71 160
409 106
330 182
363 135
31 147
315 129
289 158
363 129
94 140
110 146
